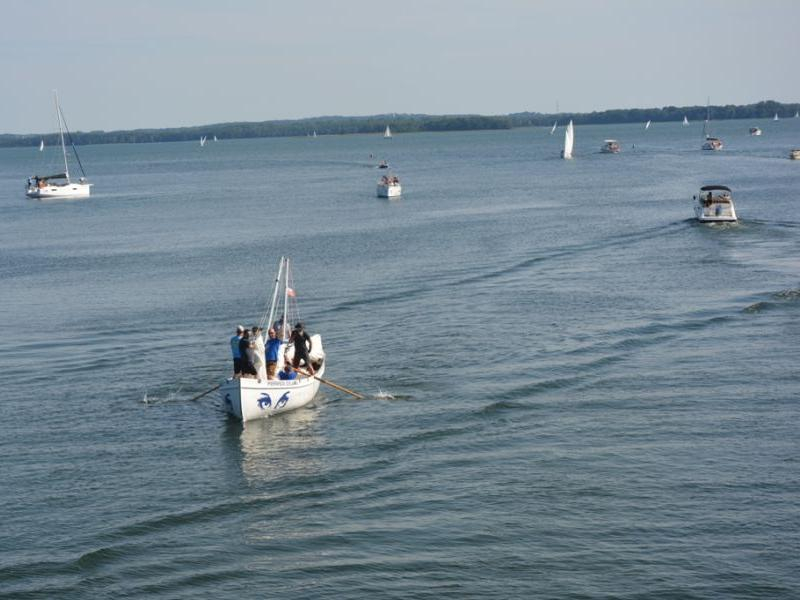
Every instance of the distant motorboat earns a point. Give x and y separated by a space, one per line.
553 130
712 143
383 165
714 204
389 187
59 185
685 120
569 139
388 133
755 131
610 147
795 154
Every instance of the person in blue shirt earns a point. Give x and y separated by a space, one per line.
288 373
273 346
237 356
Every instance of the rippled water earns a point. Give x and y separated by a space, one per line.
575 391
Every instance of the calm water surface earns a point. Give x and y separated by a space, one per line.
593 395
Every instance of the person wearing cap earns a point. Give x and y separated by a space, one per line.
302 347
247 353
237 356
273 347
288 373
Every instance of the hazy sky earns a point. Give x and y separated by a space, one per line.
165 63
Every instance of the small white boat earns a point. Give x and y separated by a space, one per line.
610 147
714 204
553 130
685 120
59 185
202 141
647 126
569 140
215 138
795 154
755 131
248 399
709 142
387 133
389 187
383 165
775 118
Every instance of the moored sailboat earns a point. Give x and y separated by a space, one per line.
685 120
248 398
709 142
59 185
387 133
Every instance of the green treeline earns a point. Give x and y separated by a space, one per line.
404 123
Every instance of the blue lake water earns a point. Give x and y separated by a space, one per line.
594 395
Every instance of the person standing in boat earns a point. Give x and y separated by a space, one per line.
302 346
237 356
259 361
247 352
272 349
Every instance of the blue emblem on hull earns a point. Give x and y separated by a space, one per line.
228 400
264 401
282 401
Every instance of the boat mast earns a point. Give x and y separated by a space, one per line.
61 134
272 305
285 336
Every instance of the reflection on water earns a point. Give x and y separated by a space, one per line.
285 445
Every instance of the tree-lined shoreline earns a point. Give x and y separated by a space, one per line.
406 123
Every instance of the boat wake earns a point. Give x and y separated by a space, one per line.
149 399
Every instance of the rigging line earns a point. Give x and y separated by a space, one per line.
71 143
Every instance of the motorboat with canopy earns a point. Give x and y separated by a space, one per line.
714 204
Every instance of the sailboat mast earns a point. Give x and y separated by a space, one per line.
272 305
61 134
285 335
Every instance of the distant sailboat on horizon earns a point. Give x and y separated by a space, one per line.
647 126
569 140
685 120
797 115
553 130
388 133
775 118
41 146
215 138
202 141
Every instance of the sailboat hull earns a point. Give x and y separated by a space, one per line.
68 190
249 399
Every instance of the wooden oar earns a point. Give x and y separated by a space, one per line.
216 387
333 385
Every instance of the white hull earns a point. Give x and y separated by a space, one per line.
247 399
714 204
389 190
69 190
712 144
794 155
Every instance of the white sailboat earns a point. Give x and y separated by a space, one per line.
797 114
709 142
248 398
569 139
59 185
314 134
387 133
775 118
215 138
647 126
553 130
202 141
685 120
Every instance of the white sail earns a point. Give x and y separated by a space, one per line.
202 141
647 125
314 134
569 139
797 114
775 118
215 138
553 130
387 133
41 146
685 120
